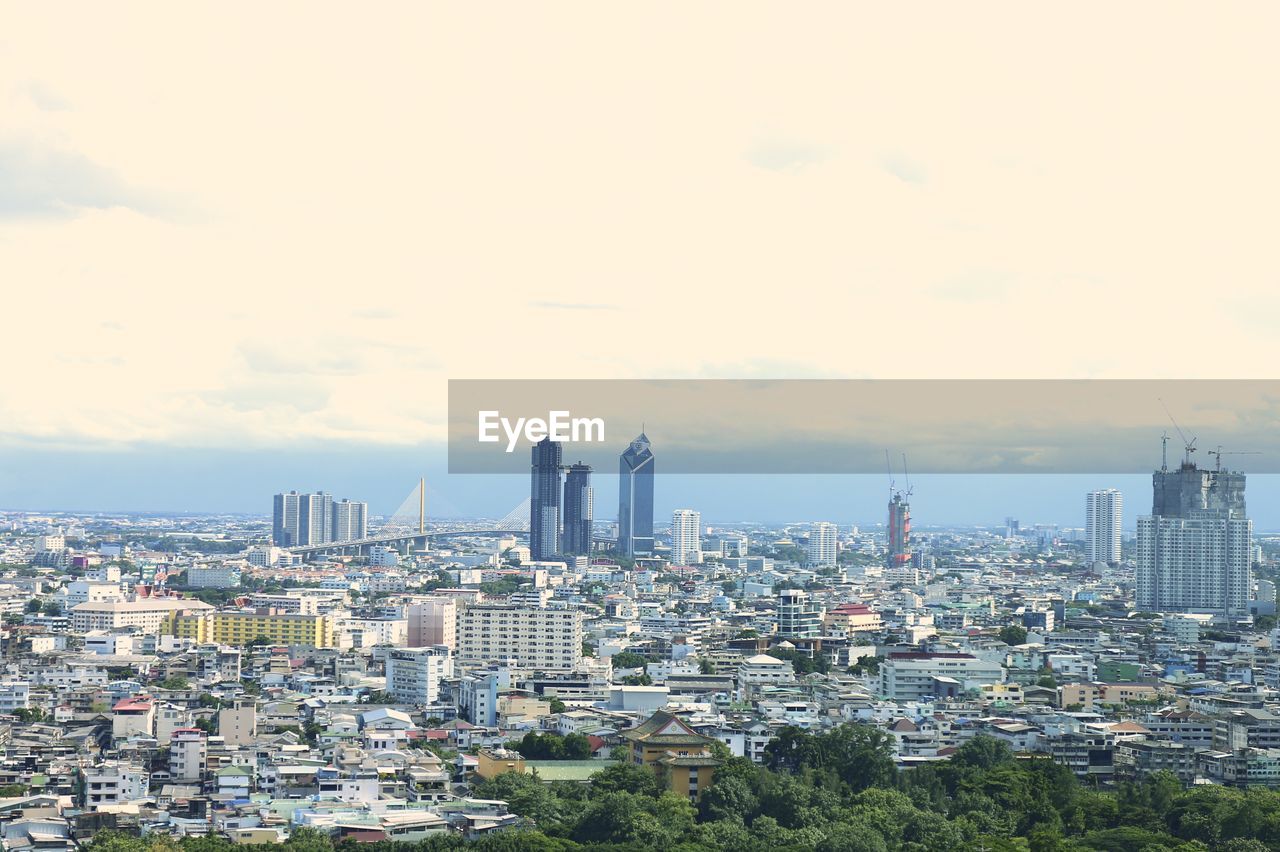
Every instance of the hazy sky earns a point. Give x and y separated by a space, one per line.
279 229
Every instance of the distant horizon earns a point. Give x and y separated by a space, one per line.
185 482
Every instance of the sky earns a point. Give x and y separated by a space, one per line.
243 247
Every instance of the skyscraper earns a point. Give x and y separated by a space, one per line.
899 542
578 510
1103 512
315 518
1195 548
284 520
635 499
822 544
686 537
544 500
350 521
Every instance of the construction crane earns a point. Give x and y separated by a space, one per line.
1188 447
906 475
889 469
1219 453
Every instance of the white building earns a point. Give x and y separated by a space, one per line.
148 614
350 520
540 639
85 591
188 750
223 576
912 676
114 783
14 695
1103 516
686 537
762 669
1196 564
822 544
413 674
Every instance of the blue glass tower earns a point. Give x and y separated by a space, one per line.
635 499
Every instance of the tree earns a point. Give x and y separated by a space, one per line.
628 660
1013 634
983 752
175 682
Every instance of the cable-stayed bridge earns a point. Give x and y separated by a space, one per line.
408 526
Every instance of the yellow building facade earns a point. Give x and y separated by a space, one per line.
242 627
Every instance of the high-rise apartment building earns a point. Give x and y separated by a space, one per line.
350 521
578 510
544 500
1195 549
315 518
686 537
304 519
284 520
1103 515
635 499
821 549
538 639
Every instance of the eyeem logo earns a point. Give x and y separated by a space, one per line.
559 426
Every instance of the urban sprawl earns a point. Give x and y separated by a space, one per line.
553 680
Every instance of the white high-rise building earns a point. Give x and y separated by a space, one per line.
350 520
1103 516
686 537
413 674
822 544
1200 564
537 639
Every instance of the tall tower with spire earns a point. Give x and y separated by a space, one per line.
635 499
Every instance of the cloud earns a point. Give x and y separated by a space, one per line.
40 181
781 156
980 285
44 97
903 168
302 360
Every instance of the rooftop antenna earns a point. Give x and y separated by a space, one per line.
1189 447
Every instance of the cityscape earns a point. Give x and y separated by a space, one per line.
585 427
405 679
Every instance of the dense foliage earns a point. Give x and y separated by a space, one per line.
840 792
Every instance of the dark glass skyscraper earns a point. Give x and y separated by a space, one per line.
544 501
635 499
284 520
578 500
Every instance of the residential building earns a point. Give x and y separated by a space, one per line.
1103 519
544 500
578 510
686 537
414 674
540 639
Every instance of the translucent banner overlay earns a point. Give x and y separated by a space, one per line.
806 426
